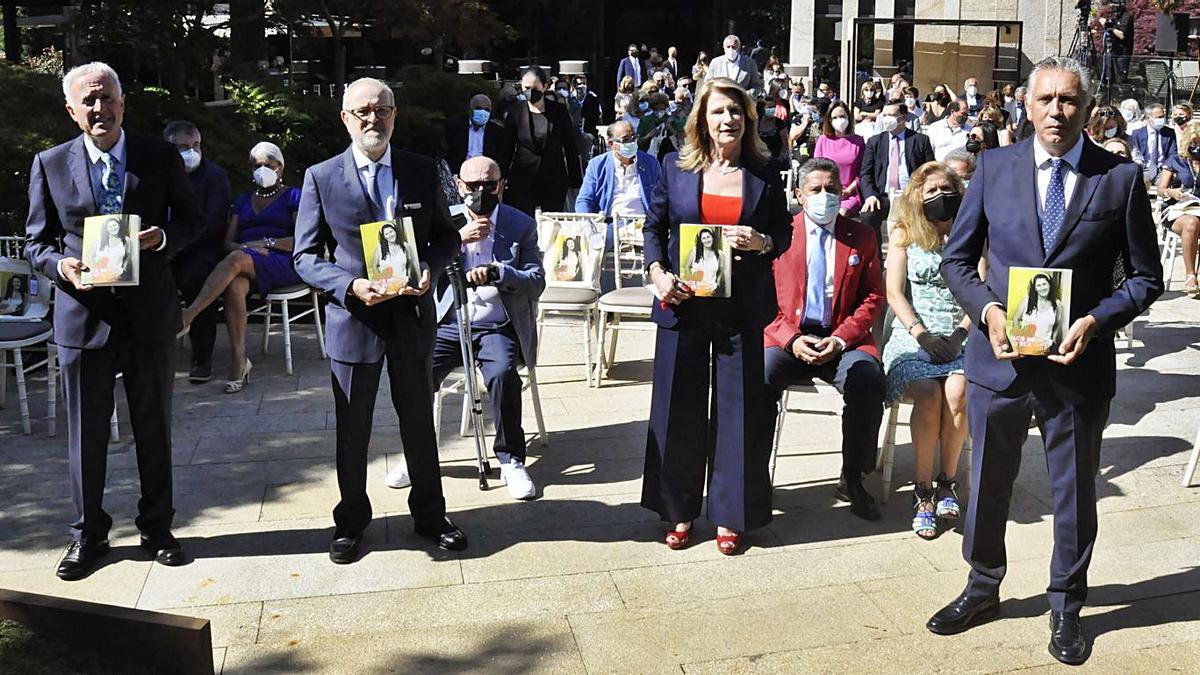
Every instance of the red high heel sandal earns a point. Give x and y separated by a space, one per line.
729 544
678 539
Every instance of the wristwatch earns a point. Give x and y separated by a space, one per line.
270 242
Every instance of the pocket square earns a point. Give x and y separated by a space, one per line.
854 259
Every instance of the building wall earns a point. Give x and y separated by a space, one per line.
951 54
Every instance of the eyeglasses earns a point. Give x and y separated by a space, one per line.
485 185
382 112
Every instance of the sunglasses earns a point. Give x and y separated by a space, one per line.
485 185
1107 113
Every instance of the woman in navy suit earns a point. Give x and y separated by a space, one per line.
722 177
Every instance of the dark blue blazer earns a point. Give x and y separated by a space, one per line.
764 207
210 184
332 207
1167 145
61 196
627 68
1108 217
873 176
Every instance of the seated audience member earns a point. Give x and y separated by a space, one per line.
889 159
192 265
937 105
870 102
951 132
626 86
654 127
1016 110
473 134
830 293
972 97
915 120
619 183
962 163
1119 147
923 356
994 99
845 148
1154 143
1132 112
1107 123
259 240
1177 183
505 281
983 136
772 128
1181 116
994 116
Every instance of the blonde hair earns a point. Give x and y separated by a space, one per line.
1189 135
912 227
696 155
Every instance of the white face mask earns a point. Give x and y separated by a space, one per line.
1008 99
822 208
972 90
887 123
1129 116
265 177
1158 122
732 54
1109 133
191 159
910 102
840 124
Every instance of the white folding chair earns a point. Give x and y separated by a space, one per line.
575 299
887 450
624 301
284 296
458 387
24 326
814 386
1172 251
1189 471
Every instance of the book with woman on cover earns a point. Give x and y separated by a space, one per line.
111 250
390 251
1039 309
705 260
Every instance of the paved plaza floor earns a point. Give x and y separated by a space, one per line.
579 580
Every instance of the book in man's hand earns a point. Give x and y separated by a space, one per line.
111 250
1039 309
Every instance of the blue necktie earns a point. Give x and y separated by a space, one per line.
110 193
373 189
814 298
1056 206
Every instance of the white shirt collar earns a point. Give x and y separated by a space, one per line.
621 167
362 161
813 226
117 150
1041 155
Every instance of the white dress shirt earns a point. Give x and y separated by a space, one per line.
944 139
627 191
484 305
383 177
475 140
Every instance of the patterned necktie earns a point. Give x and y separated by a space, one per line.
110 193
1152 141
814 297
1056 205
373 189
894 165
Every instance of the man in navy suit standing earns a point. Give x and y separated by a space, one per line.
100 332
632 66
891 156
366 322
1080 207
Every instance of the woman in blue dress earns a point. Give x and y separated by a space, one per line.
923 357
259 241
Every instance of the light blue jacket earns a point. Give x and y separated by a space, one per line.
596 195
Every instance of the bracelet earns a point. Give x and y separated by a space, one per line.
916 323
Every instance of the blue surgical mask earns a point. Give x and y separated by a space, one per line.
644 106
628 150
823 207
769 111
480 117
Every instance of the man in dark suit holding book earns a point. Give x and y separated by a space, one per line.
1053 201
100 332
365 321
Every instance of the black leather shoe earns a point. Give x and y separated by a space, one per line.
447 536
862 504
81 557
344 548
200 373
962 614
1066 639
166 549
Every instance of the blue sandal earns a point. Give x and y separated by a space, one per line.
924 522
948 507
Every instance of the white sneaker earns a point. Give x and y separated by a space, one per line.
520 485
398 477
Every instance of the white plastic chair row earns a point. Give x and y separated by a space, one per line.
283 296
572 303
624 301
458 387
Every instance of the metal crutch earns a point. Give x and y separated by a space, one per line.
458 280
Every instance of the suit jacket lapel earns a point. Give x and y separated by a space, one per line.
1085 186
1027 192
81 176
799 262
843 243
354 188
752 189
133 170
690 186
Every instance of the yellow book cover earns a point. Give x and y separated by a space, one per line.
1039 308
390 253
706 260
110 249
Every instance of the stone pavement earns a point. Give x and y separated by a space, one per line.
579 581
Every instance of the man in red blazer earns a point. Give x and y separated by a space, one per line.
830 292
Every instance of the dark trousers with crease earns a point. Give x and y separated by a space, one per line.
859 378
498 353
354 388
694 430
190 271
1072 434
89 376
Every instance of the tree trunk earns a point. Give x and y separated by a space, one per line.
339 61
12 34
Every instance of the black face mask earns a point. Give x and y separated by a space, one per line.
974 146
533 95
1194 151
481 203
943 207
1180 121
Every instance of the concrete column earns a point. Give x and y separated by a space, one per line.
800 44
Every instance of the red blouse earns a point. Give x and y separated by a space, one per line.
719 210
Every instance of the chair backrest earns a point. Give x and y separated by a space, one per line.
11 246
24 293
628 260
1187 68
1156 75
572 246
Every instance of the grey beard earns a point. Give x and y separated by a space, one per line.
371 141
